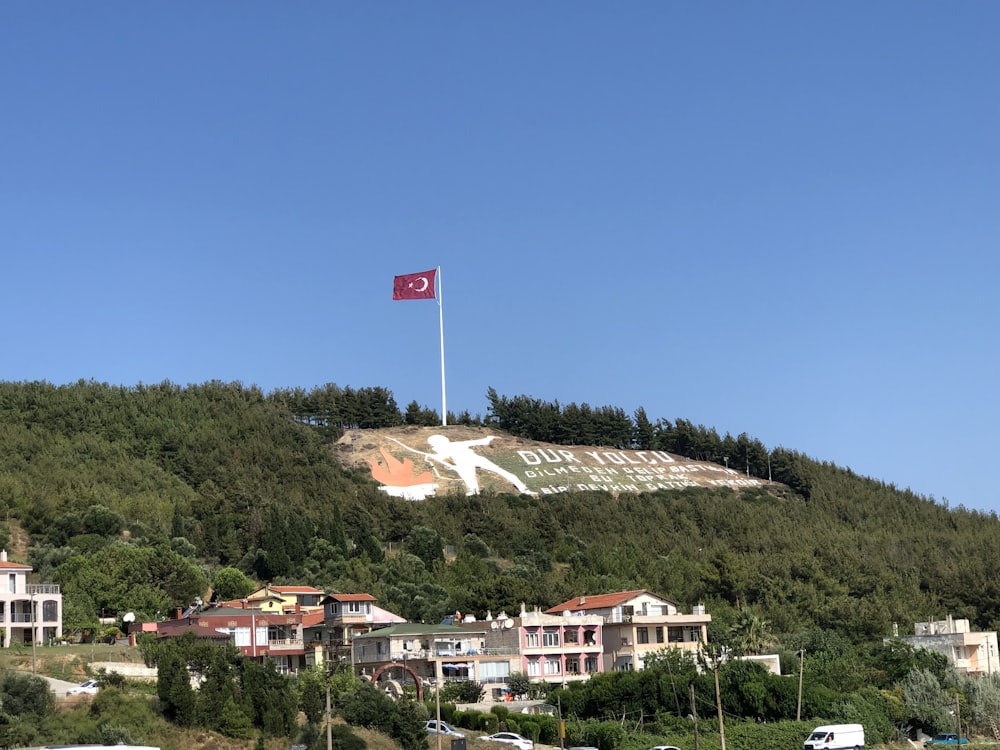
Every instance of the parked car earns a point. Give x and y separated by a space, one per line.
946 738
510 738
90 687
442 727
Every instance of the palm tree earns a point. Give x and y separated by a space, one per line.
749 633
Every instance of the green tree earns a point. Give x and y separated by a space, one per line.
926 701
312 695
24 694
234 722
173 687
231 583
426 544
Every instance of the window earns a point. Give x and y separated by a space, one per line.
642 635
494 671
589 638
659 634
686 634
281 664
550 638
534 668
552 666
590 664
50 611
572 665
570 635
356 608
531 640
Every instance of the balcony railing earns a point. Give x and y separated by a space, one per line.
42 588
285 644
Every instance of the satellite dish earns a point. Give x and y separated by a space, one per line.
128 617
508 623
495 625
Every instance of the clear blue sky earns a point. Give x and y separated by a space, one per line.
779 218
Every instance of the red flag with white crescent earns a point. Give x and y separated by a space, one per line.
414 285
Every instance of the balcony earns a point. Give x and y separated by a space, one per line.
284 644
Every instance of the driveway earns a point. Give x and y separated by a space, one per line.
59 687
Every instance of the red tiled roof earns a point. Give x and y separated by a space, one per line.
600 601
13 565
352 597
311 619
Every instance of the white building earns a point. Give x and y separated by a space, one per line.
29 612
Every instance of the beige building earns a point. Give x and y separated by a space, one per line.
637 623
968 651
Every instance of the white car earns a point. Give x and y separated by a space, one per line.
90 687
443 727
510 738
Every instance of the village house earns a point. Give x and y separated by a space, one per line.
638 623
968 651
264 635
286 598
31 613
340 619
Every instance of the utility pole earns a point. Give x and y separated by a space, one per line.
958 718
329 729
802 660
718 704
694 717
437 699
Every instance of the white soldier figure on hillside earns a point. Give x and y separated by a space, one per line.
465 462
460 458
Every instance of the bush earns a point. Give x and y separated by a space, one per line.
26 694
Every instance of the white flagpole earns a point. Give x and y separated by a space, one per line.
444 401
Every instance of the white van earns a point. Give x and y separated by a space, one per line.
836 737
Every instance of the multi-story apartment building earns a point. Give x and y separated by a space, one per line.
31 613
276 636
637 623
433 654
342 617
552 648
968 651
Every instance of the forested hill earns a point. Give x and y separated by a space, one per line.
134 499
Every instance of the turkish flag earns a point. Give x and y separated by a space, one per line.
414 285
